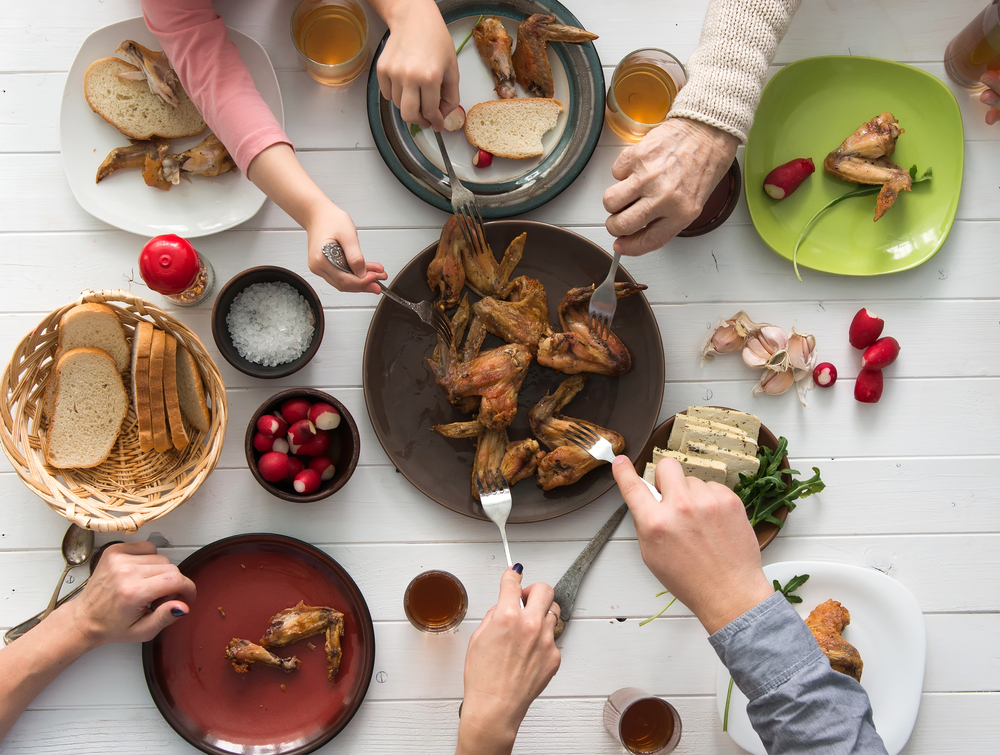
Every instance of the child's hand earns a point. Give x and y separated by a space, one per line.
327 223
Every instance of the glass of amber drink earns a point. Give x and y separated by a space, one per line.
642 90
642 723
331 37
435 602
975 49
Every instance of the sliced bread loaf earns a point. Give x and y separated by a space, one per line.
191 392
90 404
142 344
512 128
157 409
178 435
129 106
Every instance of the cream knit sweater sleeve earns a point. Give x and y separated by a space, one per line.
727 71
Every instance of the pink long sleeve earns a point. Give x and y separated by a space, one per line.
214 76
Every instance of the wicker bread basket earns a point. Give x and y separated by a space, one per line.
131 487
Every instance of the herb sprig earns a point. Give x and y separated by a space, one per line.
414 128
765 492
860 191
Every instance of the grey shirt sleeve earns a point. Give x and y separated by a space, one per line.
797 703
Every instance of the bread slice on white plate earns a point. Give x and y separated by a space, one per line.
158 410
512 128
90 404
178 435
130 107
142 344
191 392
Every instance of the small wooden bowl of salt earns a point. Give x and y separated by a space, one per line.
267 322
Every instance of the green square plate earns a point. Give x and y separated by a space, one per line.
807 110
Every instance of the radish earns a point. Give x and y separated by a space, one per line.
324 416
273 466
295 409
295 465
324 466
271 426
263 443
865 329
280 445
786 178
880 354
825 374
868 386
306 481
482 159
455 119
318 446
300 433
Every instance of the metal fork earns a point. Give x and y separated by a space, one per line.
494 495
463 204
598 447
426 311
604 302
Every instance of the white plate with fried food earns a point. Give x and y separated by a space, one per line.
198 207
887 629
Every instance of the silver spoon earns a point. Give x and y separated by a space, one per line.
77 546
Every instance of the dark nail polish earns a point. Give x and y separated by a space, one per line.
177 612
518 568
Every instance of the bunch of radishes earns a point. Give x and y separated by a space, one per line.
878 354
293 443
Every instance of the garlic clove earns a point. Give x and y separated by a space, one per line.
773 337
725 339
774 383
755 352
801 351
763 345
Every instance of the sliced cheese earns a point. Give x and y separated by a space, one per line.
693 466
748 423
735 462
709 436
682 422
649 475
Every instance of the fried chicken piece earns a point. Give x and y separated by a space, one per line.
578 349
826 622
302 621
531 64
243 652
516 460
131 156
154 68
566 463
523 319
520 460
485 276
446 272
152 171
494 43
863 158
334 652
209 158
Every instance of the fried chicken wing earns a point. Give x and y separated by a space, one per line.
243 652
516 460
863 158
487 277
578 349
152 171
130 156
298 623
523 319
154 68
334 652
209 158
566 463
494 43
826 622
446 272
520 460
531 64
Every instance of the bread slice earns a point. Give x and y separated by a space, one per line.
130 107
512 128
735 462
90 404
748 423
693 466
142 345
178 435
95 325
191 392
161 436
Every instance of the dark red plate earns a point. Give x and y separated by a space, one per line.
242 581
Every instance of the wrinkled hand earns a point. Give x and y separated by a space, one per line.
512 657
697 541
418 69
327 223
115 604
663 183
991 95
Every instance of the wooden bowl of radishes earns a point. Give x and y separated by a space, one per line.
302 445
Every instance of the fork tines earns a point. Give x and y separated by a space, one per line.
471 223
442 326
581 435
491 483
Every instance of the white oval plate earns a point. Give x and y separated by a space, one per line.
196 208
887 628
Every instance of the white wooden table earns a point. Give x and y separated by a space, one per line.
911 482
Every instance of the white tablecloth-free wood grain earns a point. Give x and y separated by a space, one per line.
911 481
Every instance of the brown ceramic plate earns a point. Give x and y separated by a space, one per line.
765 531
404 401
243 581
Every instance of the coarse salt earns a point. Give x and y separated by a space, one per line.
270 323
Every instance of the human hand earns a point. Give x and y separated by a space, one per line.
663 183
991 95
115 605
697 541
510 660
327 223
418 68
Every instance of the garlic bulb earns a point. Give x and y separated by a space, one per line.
766 347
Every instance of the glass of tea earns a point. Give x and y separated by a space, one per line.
435 602
331 37
641 722
642 90
975 49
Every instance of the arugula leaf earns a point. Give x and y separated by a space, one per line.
860 191
765 492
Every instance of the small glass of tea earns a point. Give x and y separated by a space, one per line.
642 90
641 722
331 37
435 602
975 49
